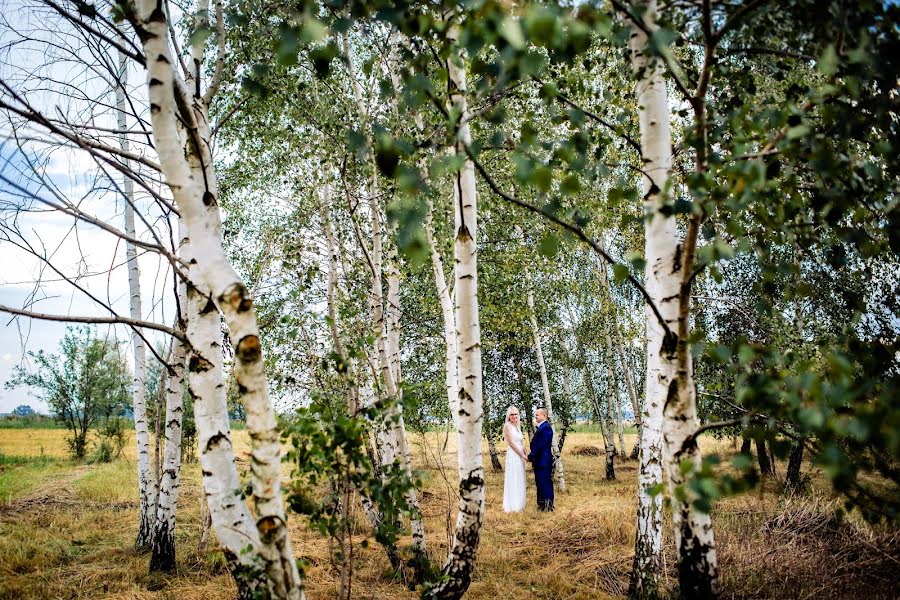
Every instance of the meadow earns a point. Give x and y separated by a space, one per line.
66 531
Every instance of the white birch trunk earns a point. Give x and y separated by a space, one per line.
545 385
666 409
163 553
457 571
451 369
258 549
661 280
146 483
393 438
626 368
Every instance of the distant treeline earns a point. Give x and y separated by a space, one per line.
49 422
29 422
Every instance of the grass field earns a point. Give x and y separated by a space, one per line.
66 531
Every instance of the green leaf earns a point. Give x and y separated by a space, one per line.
828 62
199 36
637 260
620 272
313 30
742 462
322 57
797 131
511 30
542 25
549 245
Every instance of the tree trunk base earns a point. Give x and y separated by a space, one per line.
144 541
610 466
162 558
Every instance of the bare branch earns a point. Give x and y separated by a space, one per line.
573 228
117 320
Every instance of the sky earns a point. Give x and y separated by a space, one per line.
62 80
81 251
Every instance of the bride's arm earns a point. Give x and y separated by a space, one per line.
509 443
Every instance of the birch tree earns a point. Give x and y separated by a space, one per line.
545 386
146 484
663 286
394 443
258 548
457 571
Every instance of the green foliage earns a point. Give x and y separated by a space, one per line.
113 436
795 275
329 458
86 382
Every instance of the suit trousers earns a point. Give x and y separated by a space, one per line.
543 477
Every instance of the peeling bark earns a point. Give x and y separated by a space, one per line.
258 547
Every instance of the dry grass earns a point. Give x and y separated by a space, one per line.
69 535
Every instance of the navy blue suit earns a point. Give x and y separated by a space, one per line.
541 457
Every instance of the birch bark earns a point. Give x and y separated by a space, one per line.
451 369
545 385
146 482
163 549
394 443
258 550
670 415
660 240
457 570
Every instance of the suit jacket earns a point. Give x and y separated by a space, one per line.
541 455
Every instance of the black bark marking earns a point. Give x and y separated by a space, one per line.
209 307
676 266
157 16
672 393
217 440
270 528
208 199
198 364
237 297
162 558
669 345
154 81
697 578
154 108
249 349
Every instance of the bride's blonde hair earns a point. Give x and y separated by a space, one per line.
508 411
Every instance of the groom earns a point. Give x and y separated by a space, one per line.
541 458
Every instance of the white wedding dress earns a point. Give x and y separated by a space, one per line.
514 480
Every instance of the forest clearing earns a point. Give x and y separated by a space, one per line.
450 299
65 532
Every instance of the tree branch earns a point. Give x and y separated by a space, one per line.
571 227
117 320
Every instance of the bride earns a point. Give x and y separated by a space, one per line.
514 481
